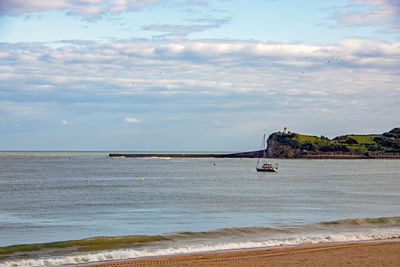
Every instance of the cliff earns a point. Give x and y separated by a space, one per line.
281 146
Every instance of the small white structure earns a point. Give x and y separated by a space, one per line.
285 130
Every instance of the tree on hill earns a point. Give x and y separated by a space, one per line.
395 133
389 143
351 141
307 145
287 139
374 147
331 147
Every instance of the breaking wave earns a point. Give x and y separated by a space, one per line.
131 247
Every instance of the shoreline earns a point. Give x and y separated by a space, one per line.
362 253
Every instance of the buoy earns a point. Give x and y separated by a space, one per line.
142 179
294 176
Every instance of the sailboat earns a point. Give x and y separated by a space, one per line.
265 166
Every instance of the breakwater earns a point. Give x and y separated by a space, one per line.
256 154
166 155
253 154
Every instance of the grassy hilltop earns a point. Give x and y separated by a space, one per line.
299 143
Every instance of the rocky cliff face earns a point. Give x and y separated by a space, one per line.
278 149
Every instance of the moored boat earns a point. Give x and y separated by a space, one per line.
265 166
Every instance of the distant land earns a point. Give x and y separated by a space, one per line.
293 145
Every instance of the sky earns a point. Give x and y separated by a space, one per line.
194 75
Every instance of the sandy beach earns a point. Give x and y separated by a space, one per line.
376 253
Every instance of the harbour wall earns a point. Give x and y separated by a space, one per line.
256 154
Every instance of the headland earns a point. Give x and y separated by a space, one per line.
351 146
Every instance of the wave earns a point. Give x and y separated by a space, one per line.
127 247
366 221
87 244
133 253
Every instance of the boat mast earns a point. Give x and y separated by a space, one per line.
262 147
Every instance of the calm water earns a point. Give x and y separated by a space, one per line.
63 196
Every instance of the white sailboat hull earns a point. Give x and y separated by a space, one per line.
266 167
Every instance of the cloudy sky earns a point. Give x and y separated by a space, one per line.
194 75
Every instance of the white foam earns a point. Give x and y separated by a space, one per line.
132 253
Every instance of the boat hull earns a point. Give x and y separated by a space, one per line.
267 170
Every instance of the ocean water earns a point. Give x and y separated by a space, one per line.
170 206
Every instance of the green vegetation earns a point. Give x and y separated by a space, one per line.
88 244
387 142
394 133
288 139
385 220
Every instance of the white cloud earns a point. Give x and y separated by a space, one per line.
87 9
184 30
131 120
205 68
118 6
381 13
21 6
212 81
64 122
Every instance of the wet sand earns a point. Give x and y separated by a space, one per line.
377 253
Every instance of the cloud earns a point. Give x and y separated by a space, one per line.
86 9
131 120
184 30
122 5
195 67
83 8
186 86
384 14
20 109
64 122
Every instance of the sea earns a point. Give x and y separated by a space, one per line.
72 208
